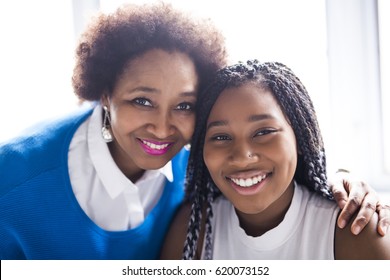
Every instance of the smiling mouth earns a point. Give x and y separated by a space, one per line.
248 182
155 148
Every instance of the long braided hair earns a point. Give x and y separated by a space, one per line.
298 108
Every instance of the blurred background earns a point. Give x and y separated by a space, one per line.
339 49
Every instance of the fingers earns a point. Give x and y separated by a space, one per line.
352 205
367 209
384 218
340 193
361 203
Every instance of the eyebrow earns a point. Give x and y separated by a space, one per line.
252 118
189 93
216 124
255 118
153 90
142 89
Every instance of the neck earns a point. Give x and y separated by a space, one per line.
127 166
258 224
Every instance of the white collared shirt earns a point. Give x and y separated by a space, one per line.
105 194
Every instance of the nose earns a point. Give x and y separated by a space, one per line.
242 155
161 125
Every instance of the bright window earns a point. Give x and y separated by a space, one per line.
36 54
384 50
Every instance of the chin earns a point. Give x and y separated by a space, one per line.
245 209
153 166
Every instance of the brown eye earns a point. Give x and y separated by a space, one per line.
220 138
265 131
186 106
142 102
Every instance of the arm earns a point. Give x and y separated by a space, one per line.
368 245
174 241
177 233
362 199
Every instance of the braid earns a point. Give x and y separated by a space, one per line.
192 232
208 227
298 108
200 188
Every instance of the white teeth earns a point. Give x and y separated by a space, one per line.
154 146
249 182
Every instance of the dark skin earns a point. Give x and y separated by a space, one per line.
173 245
362 198
150 105
367 245
250 223
258 225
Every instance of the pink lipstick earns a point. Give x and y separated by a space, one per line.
155 148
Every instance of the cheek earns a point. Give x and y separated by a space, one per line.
186 127
213 160
117 114
288 156
125 121
283 152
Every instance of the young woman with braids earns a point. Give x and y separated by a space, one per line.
104 183
257 184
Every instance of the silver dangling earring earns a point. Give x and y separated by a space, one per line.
106 134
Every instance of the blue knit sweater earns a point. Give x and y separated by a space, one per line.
40 217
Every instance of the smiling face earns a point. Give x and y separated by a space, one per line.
250 149
152 110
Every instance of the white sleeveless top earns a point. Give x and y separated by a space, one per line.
306 232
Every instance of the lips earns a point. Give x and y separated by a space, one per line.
248 184
155 148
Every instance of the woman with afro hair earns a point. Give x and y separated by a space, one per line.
105 182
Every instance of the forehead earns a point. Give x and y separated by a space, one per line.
244 100
158 59
159 68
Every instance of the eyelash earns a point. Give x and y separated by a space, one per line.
262 132
265 131
140 101
219 138
188 106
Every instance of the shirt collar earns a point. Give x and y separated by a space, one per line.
112 178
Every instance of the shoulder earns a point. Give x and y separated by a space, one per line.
367 245
37 149
314 202
174 241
